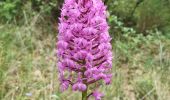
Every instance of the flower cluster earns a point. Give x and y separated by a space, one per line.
83 48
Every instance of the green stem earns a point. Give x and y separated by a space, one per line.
84 95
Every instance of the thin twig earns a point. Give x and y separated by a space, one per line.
148 94
89 95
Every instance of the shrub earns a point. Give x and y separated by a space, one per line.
10 9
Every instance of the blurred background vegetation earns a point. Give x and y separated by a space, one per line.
141 46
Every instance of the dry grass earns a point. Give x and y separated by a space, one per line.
28 66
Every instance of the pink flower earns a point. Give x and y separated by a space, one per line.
84 51
97 95
64 85
79 86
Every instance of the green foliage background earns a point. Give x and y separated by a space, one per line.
141 47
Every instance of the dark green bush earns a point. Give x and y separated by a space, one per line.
9 9
142 15
153 14
50 8
13 9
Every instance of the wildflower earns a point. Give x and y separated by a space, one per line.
84 51
97 95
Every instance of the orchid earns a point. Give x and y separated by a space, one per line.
84 51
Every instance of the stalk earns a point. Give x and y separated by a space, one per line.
84 95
